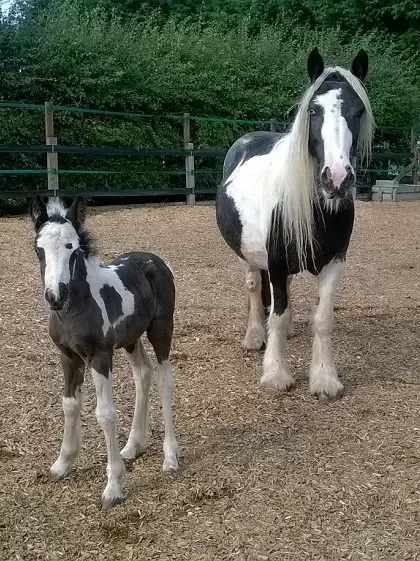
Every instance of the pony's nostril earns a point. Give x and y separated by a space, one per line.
326 175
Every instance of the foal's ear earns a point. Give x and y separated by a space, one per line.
77 212
360 64
38 212
315 64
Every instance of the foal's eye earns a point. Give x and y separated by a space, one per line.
69 246
311 111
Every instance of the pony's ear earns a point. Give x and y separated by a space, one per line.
38 212
315 64
77 212
360 64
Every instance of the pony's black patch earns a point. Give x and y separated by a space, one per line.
113 302
248 146
228 220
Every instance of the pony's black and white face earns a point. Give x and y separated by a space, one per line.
57 244
335 115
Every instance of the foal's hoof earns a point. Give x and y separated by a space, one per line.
109 501
272 383
327 390
132 451
171 461
59 470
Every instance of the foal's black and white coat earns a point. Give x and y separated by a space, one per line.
94 310
286 205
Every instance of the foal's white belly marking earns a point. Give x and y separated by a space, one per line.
254 204
97 278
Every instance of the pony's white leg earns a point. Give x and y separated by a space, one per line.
276 370
142 371
72 405
255 335
324 380
165 384
290 326
107 419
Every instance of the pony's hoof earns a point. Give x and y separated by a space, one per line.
254 339
290 331
326 388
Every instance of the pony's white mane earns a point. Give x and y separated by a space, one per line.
292 175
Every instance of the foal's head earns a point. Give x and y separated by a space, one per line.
60 239
340 122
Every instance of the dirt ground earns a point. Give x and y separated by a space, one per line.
263 477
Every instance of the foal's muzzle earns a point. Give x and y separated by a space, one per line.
57 302
332 190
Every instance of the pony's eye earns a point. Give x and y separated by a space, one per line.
69 246
311 111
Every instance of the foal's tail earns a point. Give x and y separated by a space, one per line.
265 290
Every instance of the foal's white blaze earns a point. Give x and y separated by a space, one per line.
58 242
336 136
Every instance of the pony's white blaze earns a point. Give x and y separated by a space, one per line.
53 240
336 136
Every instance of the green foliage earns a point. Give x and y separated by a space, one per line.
206 58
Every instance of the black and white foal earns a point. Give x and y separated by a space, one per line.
286 205
94 310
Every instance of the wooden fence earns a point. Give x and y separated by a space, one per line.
188 154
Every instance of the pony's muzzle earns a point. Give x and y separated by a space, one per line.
55 302
333 188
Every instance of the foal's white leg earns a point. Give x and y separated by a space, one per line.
324 380
276 371
165 384
72 436
107 419
74 371
142 372
255 335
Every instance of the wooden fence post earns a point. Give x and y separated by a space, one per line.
272 125
189 174
51 140
416 163
189 161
